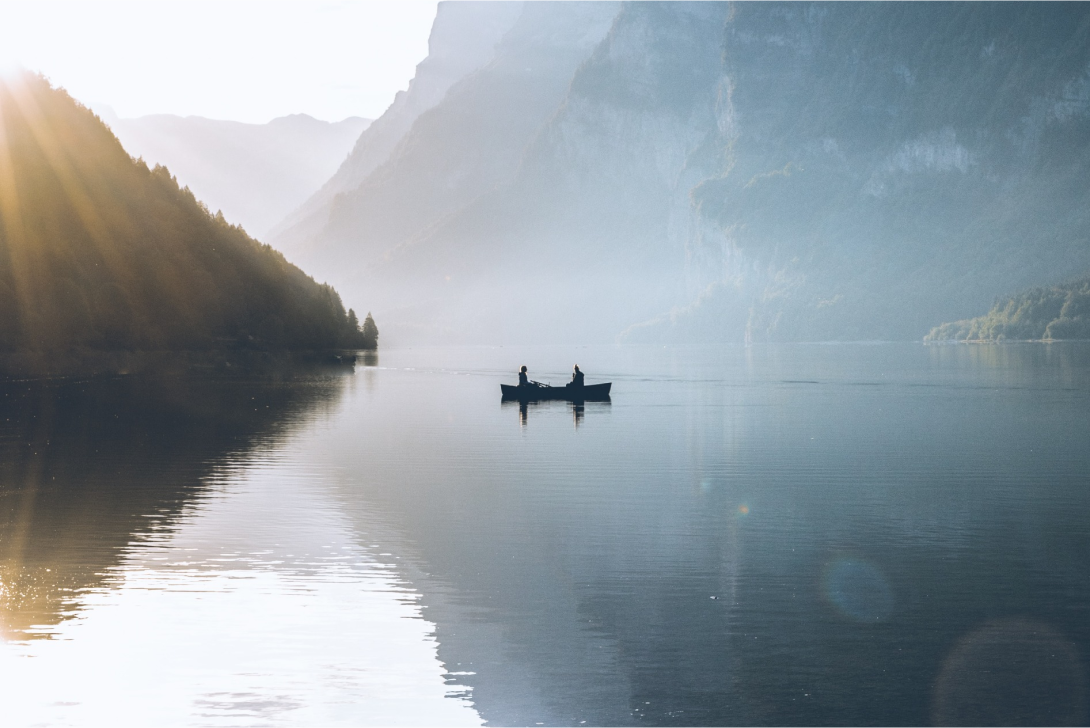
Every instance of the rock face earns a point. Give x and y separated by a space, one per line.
252 172
713 172
898 165
589 236
463 39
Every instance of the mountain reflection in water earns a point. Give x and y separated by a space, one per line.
86 467
852 534
772 535
162 564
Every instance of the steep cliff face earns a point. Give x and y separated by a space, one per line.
463 39
474 140
590 234
722 172
895 164
375 236
544 197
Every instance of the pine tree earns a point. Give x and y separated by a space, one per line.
370 333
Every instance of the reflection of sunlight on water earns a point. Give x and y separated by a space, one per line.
859 590
1011 672
259 606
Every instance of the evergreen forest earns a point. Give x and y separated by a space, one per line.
99 252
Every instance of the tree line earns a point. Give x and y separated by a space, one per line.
1050 314
99 251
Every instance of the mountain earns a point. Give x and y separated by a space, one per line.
698 172
1055 312
463 39
463 147
253 173
896 164
100 253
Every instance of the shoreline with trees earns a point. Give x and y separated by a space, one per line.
1046 314
107 264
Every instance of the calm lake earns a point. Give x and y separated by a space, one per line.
811 534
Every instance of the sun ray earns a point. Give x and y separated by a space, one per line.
11 222
78 196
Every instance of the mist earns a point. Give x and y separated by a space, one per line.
250 172
676 172
608 363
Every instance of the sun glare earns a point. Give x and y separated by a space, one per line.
328 60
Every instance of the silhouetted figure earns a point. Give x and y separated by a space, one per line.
577 377
523 379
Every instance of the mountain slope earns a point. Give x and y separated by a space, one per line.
745 172
252 172
588 235
99 252
463 39
897 164
472 142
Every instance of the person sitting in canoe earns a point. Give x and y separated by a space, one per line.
524 381
576 378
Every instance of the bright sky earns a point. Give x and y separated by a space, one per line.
244 60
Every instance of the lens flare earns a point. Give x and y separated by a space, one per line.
859 590
1011 672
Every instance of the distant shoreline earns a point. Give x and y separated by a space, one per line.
33 366
1001 341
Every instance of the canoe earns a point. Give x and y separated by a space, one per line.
588 392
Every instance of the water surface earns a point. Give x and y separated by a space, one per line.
850 534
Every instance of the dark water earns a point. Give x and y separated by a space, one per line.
886 534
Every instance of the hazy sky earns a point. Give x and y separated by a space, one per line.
246 60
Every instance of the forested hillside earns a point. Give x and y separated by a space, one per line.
1052 313
99 252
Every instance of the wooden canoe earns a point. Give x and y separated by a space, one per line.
586 393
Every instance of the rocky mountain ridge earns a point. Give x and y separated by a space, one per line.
697 172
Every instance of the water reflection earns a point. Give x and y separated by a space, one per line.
85 467
782 535
577 408
186 570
